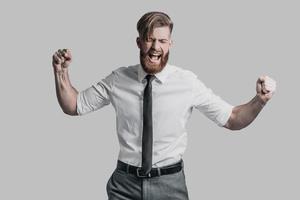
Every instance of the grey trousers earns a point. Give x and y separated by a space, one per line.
124 186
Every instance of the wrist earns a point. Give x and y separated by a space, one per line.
260 100
60 71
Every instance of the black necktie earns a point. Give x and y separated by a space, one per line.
147 139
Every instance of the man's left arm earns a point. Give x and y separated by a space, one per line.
243 115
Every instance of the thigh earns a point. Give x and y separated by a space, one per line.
171 186
123 186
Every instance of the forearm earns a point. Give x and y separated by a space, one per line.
243 115
65 92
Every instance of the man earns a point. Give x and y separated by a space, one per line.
153 101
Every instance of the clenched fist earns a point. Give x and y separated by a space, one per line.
61 59
265 88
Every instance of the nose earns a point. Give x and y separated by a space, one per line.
155 45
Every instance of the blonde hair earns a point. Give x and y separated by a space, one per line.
152 20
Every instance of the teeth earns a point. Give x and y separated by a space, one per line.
155 54
152 57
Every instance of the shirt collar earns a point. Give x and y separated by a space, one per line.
161 76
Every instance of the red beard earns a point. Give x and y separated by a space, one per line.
150 67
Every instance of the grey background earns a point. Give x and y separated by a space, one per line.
45 154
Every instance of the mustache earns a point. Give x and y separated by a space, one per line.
151 51
155 51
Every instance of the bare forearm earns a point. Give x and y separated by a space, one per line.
65 92
243 115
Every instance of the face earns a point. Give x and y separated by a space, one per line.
154 51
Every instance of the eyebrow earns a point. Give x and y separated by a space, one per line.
159 39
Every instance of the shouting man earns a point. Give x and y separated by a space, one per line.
153 101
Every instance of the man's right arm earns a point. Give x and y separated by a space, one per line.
65 92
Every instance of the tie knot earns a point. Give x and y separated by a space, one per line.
150 78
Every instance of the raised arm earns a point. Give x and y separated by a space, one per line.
243 115
65 92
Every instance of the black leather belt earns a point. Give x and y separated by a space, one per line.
137 171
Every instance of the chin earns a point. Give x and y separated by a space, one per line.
152 69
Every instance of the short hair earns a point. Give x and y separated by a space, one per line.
152 20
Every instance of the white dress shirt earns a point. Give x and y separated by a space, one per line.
175 92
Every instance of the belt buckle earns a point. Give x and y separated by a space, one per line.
140 175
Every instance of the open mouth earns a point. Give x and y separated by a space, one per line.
154 57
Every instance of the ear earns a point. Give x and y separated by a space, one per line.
138 42
171 43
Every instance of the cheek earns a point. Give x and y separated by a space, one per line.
166 47
145 46
166 50
145 49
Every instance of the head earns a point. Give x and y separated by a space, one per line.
154 41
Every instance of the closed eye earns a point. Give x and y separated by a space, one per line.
163 41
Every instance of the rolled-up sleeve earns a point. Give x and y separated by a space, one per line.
211 105
96 96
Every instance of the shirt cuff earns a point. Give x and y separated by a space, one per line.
222 119
79 104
